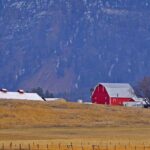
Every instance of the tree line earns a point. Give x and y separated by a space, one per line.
42 93
142 88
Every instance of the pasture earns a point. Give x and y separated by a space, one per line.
71 126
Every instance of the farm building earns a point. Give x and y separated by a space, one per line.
54 99
113 94
19 95
134 104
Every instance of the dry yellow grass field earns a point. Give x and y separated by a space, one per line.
62 123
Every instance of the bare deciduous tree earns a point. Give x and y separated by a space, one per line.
143 88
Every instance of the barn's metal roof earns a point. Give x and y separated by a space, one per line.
119 90
19 96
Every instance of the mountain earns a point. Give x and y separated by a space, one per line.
68 46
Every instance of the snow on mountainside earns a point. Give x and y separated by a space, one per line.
67 45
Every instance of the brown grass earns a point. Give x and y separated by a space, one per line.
19 114
62 122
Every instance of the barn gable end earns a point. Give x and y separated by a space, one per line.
103 97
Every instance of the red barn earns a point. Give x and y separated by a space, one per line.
113 93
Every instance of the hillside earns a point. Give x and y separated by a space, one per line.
69 46
30 114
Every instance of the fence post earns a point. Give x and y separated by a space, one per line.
106 147
125 147
10 145
97 147
19 146
82 146
59 146
135 147
29 147
3 147
47 146
71 145
115 147
38 146
93 147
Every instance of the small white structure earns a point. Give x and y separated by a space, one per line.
80 101
134 104
20 95
53 99
89 103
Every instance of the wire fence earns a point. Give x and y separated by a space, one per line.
60 146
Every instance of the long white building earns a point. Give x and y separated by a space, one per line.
20 95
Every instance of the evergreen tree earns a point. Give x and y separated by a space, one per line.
38 90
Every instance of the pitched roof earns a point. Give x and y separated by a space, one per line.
19 96
119 90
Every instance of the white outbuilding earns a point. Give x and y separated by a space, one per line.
19 95
54 99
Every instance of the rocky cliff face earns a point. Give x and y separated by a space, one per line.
68 46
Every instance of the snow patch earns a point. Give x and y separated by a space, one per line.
58 63
21 72
88 16
117 59
18 5
79 77
41 14
146 4
85 2
76 86
110 70
16 77
111 11
129 70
